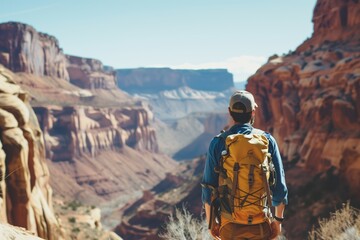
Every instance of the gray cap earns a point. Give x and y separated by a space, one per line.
244 97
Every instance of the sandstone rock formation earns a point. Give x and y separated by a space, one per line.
23 49
89 73
11 232
26 196
107 152
174 94
310 101
78 130
144 218
98 139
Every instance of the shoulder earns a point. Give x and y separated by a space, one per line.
219 139
266 134
270 138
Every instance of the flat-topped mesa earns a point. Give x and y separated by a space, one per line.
90 73
23 49
153 80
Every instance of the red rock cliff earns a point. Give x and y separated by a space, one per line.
310 99
334 20
25 193
78 130
98 140
23 49
90 73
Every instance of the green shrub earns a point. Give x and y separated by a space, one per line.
72 220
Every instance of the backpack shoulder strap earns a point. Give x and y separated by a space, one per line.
223 134
257 131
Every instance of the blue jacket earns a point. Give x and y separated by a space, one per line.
279 191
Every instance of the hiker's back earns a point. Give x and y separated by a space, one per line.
244 173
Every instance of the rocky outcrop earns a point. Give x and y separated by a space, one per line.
98 140
89 73
175 104
153 80
23 49
310 101
101 152
145 218
26 196
334 20
12 232
78 130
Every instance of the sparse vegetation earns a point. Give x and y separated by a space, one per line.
182 226
344 224
72 220
74 205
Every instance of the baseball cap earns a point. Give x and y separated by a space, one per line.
246 99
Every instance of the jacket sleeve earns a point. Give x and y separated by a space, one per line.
210 177
279 190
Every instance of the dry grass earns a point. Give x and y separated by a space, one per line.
182 226
343 224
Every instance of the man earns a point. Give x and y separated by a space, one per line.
242 111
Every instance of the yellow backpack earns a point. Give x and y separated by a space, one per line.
244 174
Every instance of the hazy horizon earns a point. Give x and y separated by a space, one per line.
232 34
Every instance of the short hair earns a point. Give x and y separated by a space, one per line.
240 117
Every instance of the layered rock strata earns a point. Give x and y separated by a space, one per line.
90 73
153 80
78 130
23 49
25 193
146 217
310 99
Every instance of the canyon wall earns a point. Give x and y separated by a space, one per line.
25 193
174 94
90 73
153 80
310 99
78 130
23 49
99 143
145 218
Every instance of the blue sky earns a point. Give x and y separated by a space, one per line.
235 34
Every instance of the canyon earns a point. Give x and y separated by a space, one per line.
182 102
309 101
73 129
95 141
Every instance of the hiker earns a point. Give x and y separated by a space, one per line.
243 178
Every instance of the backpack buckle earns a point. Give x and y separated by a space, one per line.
250 219
251 176
251 179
